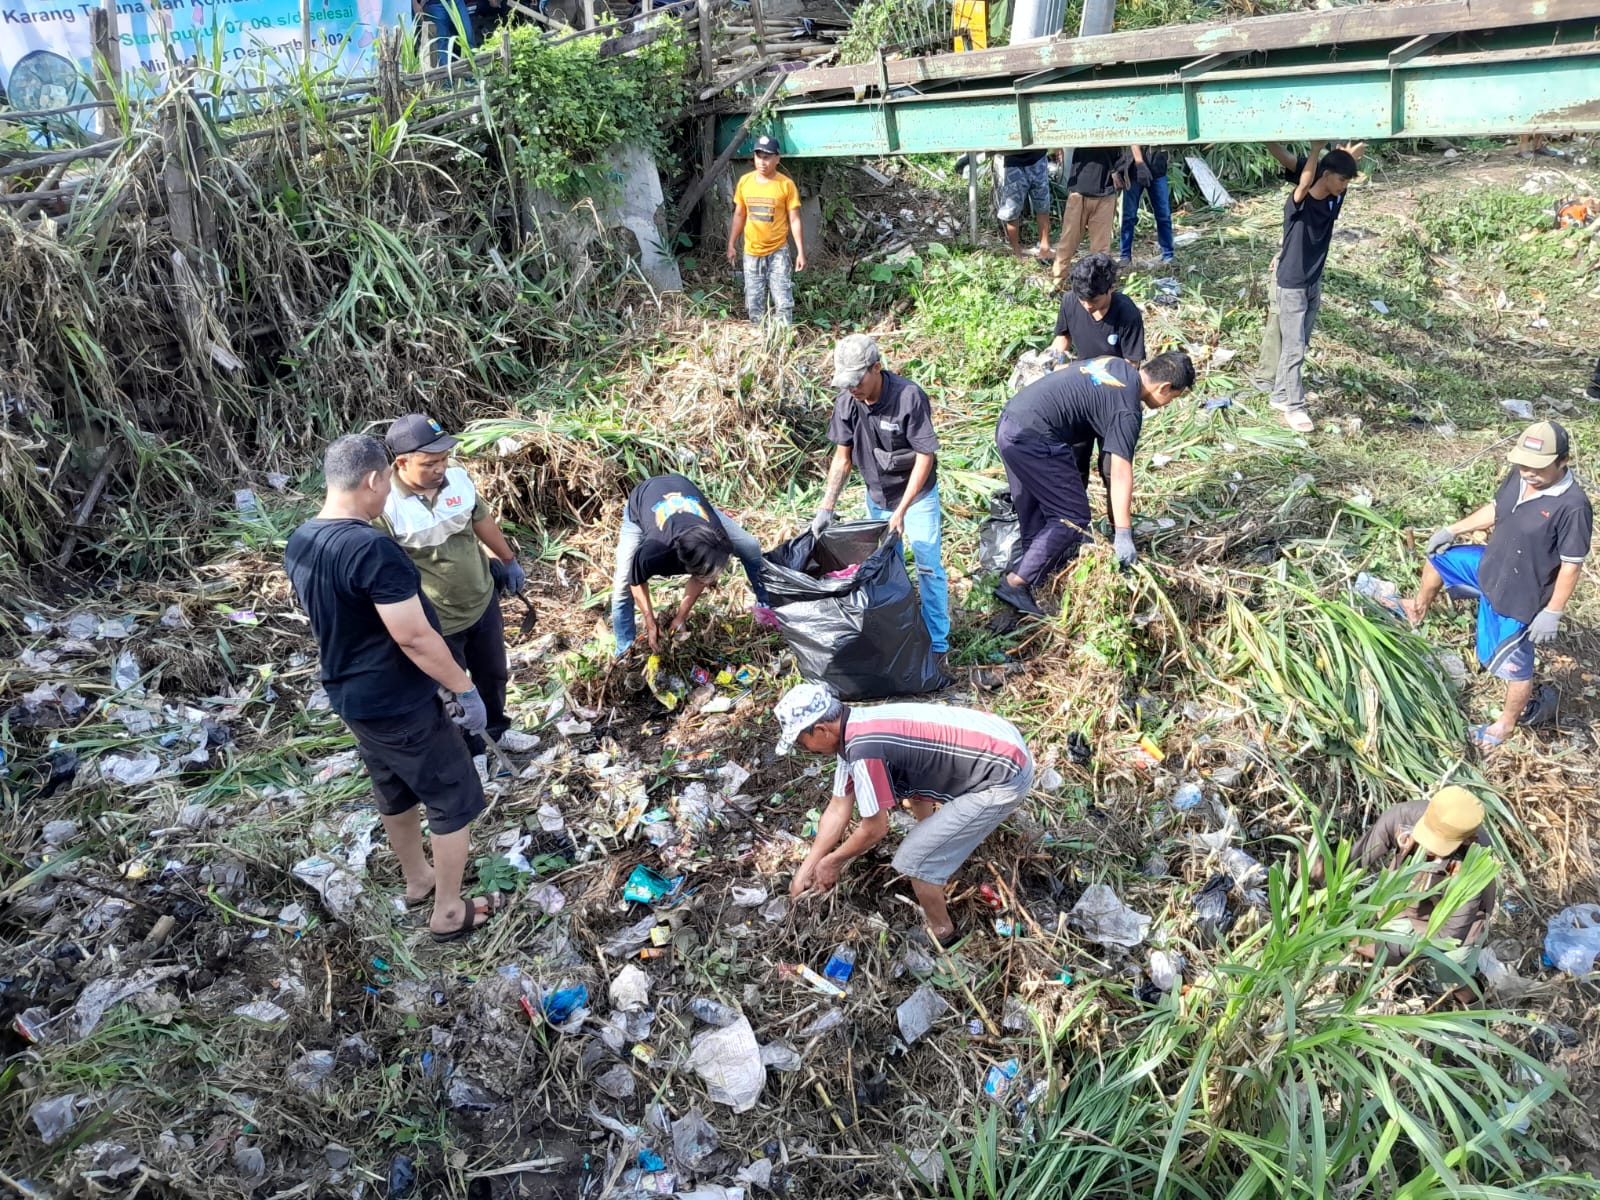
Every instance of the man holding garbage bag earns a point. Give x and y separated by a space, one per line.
961 771
883 423
383 665
1540 525
670 528
1046 438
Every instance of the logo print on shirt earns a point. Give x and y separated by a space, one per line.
675 504
1098 369
452 501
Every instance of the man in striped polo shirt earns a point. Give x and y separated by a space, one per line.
961 771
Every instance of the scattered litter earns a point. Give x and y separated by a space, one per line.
59 833
564 1004
1212 913
644 886
130 771
465 1095
1246 871
547 898
248 1160
1379 306
841 965
572 728
775 910
311 1070
998 1080
780 1056
744 897
1166 969
402 1176
616 1081
693 1139
1168 289
264 1012
729 1060
1518 408
1105 919
713 1012
55 1118
102 994
110 1159
1187 797
918 1012
1210 186
1572 939
338 886
630 990
818 983
1187 237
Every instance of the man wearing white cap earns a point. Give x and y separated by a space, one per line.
1540 525
883 423
962 772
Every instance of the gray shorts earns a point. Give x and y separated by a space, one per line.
1021 185
936 848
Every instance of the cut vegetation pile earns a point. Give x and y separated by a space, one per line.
198 1018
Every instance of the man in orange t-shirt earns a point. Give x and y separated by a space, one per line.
766 210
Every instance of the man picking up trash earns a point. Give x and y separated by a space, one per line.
383 663
670 528
1443 829
1095 320
436 515
1540 526
961 771
1046 439
883 423
766 212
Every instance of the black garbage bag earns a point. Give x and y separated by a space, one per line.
1000 535
862 636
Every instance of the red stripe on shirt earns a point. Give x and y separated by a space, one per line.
944 733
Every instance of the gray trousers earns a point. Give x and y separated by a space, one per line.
771 273
1297 317
1271 342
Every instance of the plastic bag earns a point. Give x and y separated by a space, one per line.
1105 919
1000 535
863 636
1572 939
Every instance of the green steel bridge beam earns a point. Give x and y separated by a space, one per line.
1533 79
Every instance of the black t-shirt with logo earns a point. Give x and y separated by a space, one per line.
342 569
1531 540
1075 403
664 507
885 438
1307 234
1120 333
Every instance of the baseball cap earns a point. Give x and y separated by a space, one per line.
801 707
852 358
416 432
767 144
1541 444
1453 817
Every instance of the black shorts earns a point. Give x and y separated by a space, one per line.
420 758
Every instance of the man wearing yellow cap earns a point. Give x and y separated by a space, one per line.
1443 829
1540 524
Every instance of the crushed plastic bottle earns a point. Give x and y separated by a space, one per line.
713 1012
841 965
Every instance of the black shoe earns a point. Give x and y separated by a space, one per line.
1542 708
1019 598
1592 391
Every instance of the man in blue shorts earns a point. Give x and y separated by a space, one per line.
1026 182
1542 524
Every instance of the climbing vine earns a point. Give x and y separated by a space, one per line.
568 106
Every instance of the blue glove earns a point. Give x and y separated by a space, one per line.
473 717
1543 627
1123 545
515 578
1441 541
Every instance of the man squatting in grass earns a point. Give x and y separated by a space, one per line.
1095 320
766 211
1541 525
1025 182
436 515
1046 438
1308 217
883 423
670 528
961 771
383 663
1443 828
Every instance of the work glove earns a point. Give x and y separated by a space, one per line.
513 579
472 717
1441 541
1142 175
821 521
1543 627
1123 545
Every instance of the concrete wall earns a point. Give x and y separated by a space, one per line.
632 212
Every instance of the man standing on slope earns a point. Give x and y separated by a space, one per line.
884 424
383 663
766 210
1541 525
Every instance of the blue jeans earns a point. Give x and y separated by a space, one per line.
444 26
1160 204
923 534
630 535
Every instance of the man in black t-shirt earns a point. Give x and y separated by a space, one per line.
1026 180
1291 167
1038 437
670 528
883 424
1542 525
1095 320
1091 205
383 665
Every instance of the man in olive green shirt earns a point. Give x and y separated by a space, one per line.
436 515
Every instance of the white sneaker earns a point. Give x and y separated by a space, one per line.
514 741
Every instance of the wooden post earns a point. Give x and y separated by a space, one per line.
707 62
101 23
972 198
588 14
305 31
761 25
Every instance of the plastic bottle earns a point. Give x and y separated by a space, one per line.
713 1012
841 964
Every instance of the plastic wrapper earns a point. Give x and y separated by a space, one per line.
862 636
